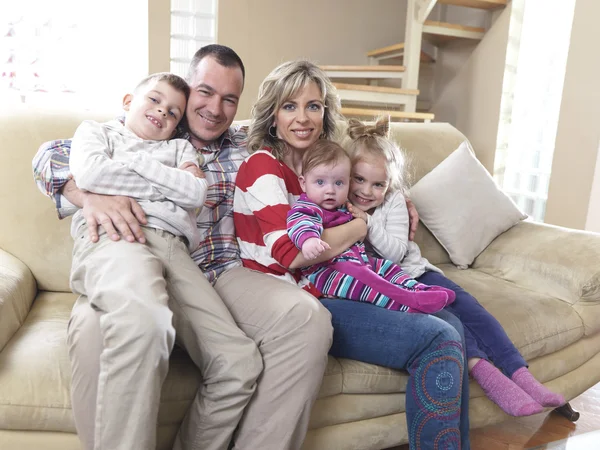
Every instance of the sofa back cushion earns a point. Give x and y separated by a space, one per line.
31 231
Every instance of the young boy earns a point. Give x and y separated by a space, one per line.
353 274
129 283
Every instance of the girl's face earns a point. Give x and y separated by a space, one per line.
299 120
369 183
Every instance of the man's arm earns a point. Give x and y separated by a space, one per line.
116 214
51 171
53 178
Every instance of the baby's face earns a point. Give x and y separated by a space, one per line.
327 186
369 183
154 111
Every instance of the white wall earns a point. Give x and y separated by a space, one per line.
576 153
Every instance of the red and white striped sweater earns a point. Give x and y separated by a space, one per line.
265 190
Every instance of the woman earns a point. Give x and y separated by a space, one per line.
296 106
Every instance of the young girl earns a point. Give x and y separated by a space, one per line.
353 274
376 193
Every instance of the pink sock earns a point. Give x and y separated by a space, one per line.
427 302
540 393
503 391
450 292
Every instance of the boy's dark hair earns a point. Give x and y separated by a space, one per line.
324 152
173 80
223 55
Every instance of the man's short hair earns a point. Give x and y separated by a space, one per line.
224 55
175 81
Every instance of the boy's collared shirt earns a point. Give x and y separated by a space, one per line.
218 249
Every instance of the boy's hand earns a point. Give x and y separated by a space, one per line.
313 247
356 213
193 169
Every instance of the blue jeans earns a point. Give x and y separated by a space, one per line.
484 336
429 348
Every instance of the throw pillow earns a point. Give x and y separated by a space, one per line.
459 202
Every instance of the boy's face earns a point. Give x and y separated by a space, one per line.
154 111
327 186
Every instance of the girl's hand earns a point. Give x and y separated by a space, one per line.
356 213
313 247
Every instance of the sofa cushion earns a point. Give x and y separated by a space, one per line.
35 373
536 323
459 202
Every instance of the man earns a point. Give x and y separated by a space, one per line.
290 328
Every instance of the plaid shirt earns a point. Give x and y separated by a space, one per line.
218 249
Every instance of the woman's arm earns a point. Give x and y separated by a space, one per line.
339 239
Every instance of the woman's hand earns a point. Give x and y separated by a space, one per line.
313 247
357 213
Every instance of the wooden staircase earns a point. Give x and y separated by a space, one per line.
368 99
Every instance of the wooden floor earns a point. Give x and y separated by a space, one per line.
528 432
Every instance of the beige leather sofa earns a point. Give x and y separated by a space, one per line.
541 282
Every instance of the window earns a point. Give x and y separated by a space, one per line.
538 45
193 25
72 53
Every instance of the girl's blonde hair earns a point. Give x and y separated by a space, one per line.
374 140
283 83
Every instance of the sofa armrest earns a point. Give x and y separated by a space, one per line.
17 291
561 262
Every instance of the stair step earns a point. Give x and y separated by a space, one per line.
393 51
363 94
426 117
479 4
369 72
368 88
439 33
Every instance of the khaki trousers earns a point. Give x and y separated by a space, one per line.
291 329
121 333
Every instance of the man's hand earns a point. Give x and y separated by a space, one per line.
413 219
313 247
193 169
356 213
114 213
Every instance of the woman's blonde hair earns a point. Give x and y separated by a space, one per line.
283 83
374 140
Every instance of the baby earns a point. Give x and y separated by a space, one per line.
352 275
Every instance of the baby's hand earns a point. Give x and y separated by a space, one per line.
193 169
313 247
356 213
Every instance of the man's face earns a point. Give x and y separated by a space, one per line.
213 101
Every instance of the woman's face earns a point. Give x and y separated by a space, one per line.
299 120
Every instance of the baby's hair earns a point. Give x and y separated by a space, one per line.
173 80
324 152
374 140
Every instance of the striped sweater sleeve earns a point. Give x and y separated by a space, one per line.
95 171
261 205
179 186
388 228
304 221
